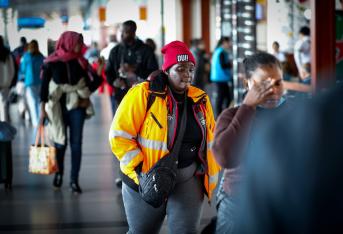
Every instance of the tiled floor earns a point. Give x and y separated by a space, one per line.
34 207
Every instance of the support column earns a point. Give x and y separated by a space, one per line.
244 40
323 39
5 20
205 23
163 32
186 21
103 29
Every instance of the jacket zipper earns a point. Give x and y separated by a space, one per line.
176 120
154 117
203 139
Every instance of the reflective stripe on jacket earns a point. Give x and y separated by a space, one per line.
138 135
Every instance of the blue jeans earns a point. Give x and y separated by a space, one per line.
225 215
113 104
75 119
32 99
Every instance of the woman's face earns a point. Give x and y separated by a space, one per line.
263 76
180 76
33 47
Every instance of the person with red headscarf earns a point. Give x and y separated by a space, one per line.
67 82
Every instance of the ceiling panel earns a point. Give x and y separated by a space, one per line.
44 8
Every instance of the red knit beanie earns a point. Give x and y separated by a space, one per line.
175 52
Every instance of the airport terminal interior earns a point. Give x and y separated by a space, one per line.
32 203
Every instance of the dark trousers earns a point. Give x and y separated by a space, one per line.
224 93
226 215
74 119
6 164
113 104
120 93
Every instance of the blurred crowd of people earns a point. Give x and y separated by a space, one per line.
212 70
148 99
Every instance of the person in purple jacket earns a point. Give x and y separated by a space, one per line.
292 172
263 76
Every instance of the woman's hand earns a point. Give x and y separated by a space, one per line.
101 63
84 102
43 114
258 93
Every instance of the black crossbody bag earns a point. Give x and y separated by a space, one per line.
156 185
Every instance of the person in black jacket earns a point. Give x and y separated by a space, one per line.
67 82
129 62
203 63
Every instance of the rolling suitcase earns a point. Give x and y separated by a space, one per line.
6 166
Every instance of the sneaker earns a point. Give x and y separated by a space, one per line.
75 188
58 180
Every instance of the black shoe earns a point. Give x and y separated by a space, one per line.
8 186
119 182
58 180
75 188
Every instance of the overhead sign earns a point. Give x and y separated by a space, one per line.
143 13
4 3
31 22
102 14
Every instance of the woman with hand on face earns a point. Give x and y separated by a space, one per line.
67 83
142 135
264 97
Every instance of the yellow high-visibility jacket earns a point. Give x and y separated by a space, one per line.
140 135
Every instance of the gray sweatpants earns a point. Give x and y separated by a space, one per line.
183 208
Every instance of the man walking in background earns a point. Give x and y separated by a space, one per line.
129 62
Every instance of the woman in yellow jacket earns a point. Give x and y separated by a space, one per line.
144 130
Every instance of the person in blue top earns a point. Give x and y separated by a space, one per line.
221 65
29 73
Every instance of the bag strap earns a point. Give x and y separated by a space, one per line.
177 145
40 133
151 100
